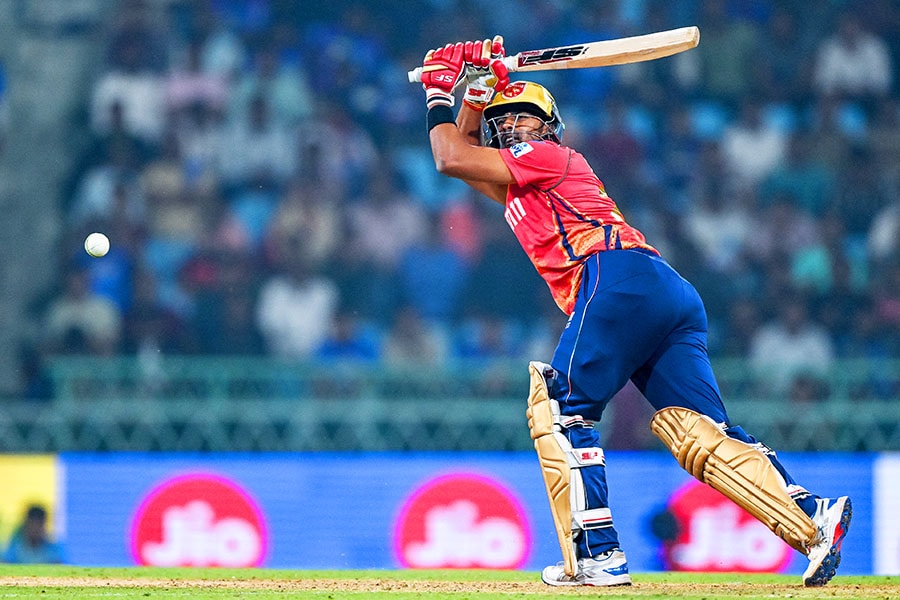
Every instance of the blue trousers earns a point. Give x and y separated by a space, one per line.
635 318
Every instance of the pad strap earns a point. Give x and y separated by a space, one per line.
592 518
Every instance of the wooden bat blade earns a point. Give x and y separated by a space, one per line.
609 52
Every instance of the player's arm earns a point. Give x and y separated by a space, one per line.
481 168
455 143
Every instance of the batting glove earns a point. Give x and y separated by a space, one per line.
485 72
442 70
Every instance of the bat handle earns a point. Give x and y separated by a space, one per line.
511 62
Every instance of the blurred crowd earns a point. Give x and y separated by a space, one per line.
262 170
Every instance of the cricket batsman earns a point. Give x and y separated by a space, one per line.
631 316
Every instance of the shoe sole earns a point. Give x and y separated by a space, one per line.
584 583
828 567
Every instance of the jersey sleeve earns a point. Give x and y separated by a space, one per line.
541 164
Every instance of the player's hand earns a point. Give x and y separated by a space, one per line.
485 71
442 70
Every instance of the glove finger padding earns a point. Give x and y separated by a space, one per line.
501 73
442 70
484 71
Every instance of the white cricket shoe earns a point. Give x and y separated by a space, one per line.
605 570
832 519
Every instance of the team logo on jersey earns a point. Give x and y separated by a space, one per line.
521 149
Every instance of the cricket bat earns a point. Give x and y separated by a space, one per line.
599 54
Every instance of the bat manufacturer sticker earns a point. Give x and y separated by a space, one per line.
521 149
551 55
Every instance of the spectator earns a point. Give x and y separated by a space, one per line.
789 346
383 222
862 190
615 148
306 216
853 63
188 84
743 322
79 321
337 151
727 54
296 308
175 229
883 238
256 149
803 176
870 343
200 129
351 339
111 186
720 225
751 147
224 52
784 70
31 543
411 340
283 84
134 79
432 276
781 229
151 326
679 150
502 282
483 337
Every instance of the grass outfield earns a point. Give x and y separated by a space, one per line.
58 582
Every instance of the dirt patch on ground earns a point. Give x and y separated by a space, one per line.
665 590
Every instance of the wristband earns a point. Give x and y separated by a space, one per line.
438 114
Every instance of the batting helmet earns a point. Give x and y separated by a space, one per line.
521 96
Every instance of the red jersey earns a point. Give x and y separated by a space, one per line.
560 213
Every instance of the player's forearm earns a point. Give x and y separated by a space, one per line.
449 147
468 121
455 157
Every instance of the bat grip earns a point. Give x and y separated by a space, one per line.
511 62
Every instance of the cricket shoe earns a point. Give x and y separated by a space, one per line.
832 519
605 570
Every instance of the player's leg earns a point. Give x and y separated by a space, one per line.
597 353
573 467
692 421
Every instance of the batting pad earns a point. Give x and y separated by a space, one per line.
554 463
739 471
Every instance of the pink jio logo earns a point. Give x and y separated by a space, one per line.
462 521
714 534
198 520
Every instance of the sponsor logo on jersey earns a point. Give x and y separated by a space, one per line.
198 520
521 149
462 521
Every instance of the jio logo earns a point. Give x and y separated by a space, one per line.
462 521
198 520
714 534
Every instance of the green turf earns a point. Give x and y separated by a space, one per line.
71 583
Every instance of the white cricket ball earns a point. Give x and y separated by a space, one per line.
96 245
